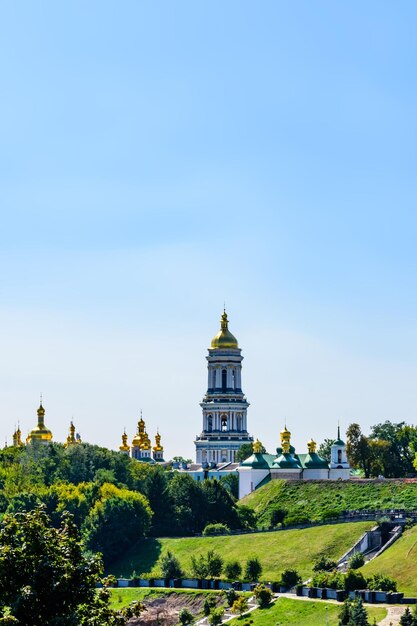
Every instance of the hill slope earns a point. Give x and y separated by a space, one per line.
318 500
399 561
276 550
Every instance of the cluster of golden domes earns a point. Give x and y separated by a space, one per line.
141 439
42 434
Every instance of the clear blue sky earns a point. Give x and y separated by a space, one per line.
160 158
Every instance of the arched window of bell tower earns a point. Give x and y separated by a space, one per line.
234 379
210 423
238 422
224 422
224 380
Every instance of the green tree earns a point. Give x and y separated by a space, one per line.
216 529
170 566
231 595
240 605
118 519
245 451
209 604
207 566
232 570
247 516
358 449
278 516
290 578
216 617
231 483
356 560
325 448
45 579
346 613
407 618
323 564
359 615
253 568
219 506
263 595
185 617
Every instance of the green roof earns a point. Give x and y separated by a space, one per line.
287 461
258 461
313 461
339 442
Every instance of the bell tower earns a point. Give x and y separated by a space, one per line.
224 405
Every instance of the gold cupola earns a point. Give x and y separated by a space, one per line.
312 446
125 446
17 438
72 437
285 440
224 340
40 433
157 447
257 447
138 439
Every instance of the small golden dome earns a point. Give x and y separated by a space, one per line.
224 338
40 432
257 447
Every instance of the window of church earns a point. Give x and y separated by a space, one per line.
224 380
210 423
224 422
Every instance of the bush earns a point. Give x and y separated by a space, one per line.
185 617
231 596
170 566
295 520
278 516
209 566
324 564
209 604
240 605
247 517
381 582
216 529
253 568
290 578
215 617
263 595
232 570
354 580
356 560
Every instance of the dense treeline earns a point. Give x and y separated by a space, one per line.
114 499
389 450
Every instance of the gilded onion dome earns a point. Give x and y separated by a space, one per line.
224 338
40 432
158 447
125 446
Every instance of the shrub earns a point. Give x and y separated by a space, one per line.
290 578
354 580
247 516
356 560
381 582
294 520
210 565
216 529
240 605
406 618
185 617
263 595
278 516
170 566
253 568
231 596
232 570
215 617
324 564
209 604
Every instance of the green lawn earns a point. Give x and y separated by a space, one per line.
276 550
288 612
318 500
400 562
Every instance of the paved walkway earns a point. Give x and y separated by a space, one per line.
393 616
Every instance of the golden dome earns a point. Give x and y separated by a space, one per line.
224 338
40 433
125 446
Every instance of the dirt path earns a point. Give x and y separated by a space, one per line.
393 616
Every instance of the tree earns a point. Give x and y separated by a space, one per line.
232 570
118 519
216 529
46 579
263 595
290 578
345 613
247 516
324 564
219 506
231 595
170 566
407 618
277 516
253 568
185 617
325 448
240 605
245 451
359 615
381 582
358 449
209 604
231 483
356 560
216 616
207 566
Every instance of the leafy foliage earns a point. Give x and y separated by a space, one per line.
263 595
356 560
232 570
216 529
290 578
253 568
170 566
46 579
324 564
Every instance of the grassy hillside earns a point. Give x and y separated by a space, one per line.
288 612
318 500
276 550
400 562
